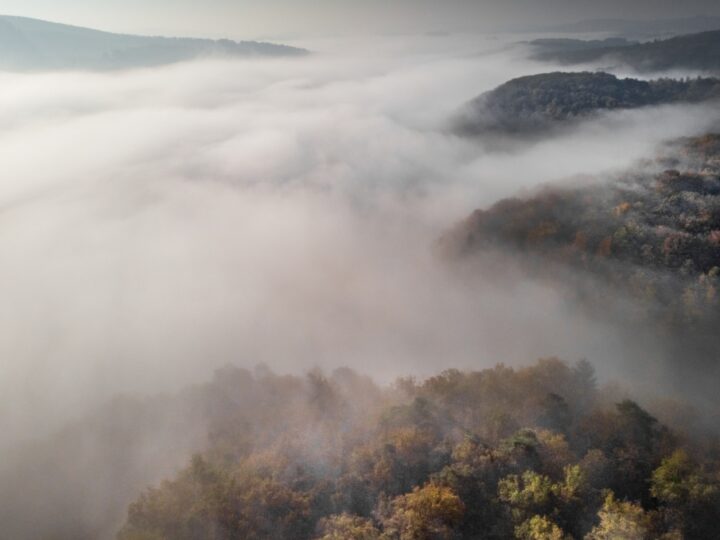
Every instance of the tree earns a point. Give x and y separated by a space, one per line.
527 495
429 513
208 503
692 502
347 527
554 413
620 521
533 495
539 528
473 475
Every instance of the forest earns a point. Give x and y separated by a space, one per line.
649 235
535 103
699 51
555 49
312 270
636 231
541 452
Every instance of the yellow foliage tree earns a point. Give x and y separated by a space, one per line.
428 513
347 527
620 520
539 528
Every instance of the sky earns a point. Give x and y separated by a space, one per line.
279 18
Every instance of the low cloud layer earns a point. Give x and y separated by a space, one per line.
155 225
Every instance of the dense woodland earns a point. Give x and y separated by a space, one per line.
555 49
537 102
640 28
654 231
688 52
537 453
533 453
641 250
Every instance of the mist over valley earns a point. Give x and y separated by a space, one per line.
413 285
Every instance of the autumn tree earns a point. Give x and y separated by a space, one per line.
347 527
691 499
621 521
428 513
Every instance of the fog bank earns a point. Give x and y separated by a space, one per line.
156 225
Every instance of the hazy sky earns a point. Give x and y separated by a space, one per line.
257 18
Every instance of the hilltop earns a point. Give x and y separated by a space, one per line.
634 27
32 44
537 102
698 52
650 235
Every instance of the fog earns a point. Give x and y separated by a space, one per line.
159 224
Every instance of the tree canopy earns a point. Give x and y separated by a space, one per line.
531 453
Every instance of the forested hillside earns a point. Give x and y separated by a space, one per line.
640 251
533 453
640 27
558 49
538 102
30 44
654 232
699 52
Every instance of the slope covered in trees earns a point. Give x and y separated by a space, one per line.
537 102
700 52
650 236
554 49
533 453
638 27
664 217
31 44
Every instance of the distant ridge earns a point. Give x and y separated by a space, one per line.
699 52
32 44
538 103
640 28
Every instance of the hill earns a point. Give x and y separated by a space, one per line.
637 28
535 452
538 102
650 237
698 52
562 49
31 44
549 48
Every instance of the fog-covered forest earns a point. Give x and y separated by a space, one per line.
536 103
413 271
693 51
536 452
649 233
